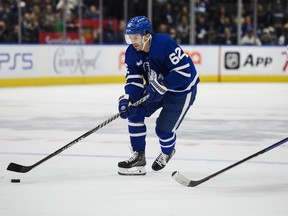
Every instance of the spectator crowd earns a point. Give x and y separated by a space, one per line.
216 20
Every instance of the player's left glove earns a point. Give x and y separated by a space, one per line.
156 91
124 107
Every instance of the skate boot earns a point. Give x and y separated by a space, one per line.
162 160
134 165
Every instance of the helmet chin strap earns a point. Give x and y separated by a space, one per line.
144 42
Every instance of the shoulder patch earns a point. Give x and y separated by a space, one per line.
139 63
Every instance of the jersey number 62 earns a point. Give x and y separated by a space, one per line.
176 57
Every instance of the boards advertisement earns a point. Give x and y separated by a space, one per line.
22 65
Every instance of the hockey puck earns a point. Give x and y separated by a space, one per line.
15 180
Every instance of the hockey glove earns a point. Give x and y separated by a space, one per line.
124 108
156 91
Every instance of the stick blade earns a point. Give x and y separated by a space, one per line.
18 168
185 181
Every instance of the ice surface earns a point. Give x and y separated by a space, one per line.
227 123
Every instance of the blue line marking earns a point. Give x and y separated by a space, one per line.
152 158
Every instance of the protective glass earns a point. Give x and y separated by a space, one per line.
133 38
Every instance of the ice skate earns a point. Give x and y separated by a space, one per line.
162 160
134 165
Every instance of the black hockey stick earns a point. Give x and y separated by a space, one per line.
190 183
23 169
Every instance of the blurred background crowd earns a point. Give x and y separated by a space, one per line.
216 21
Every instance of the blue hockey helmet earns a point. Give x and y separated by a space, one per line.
139 25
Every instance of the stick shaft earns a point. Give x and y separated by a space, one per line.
249 157
19 168
77 139
192 183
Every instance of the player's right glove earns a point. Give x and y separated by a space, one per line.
124 107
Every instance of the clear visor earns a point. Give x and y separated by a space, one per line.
133 38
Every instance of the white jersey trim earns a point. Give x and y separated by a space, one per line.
184 109
169 139
138 124
188 88
134 77
178 70
136 84
137 134
168 146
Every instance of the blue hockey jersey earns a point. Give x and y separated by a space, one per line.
165 62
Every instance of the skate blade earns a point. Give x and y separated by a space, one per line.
132 171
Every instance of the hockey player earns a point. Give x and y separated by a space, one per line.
157 66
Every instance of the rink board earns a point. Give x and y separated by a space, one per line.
34 65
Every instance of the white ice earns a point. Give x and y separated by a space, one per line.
227 123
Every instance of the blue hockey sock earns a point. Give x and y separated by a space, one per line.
137 132
167 141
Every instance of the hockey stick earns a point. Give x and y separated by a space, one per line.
190 183
23 169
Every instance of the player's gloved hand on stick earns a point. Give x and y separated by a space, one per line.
155 90
124 108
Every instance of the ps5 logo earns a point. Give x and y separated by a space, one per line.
13 61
